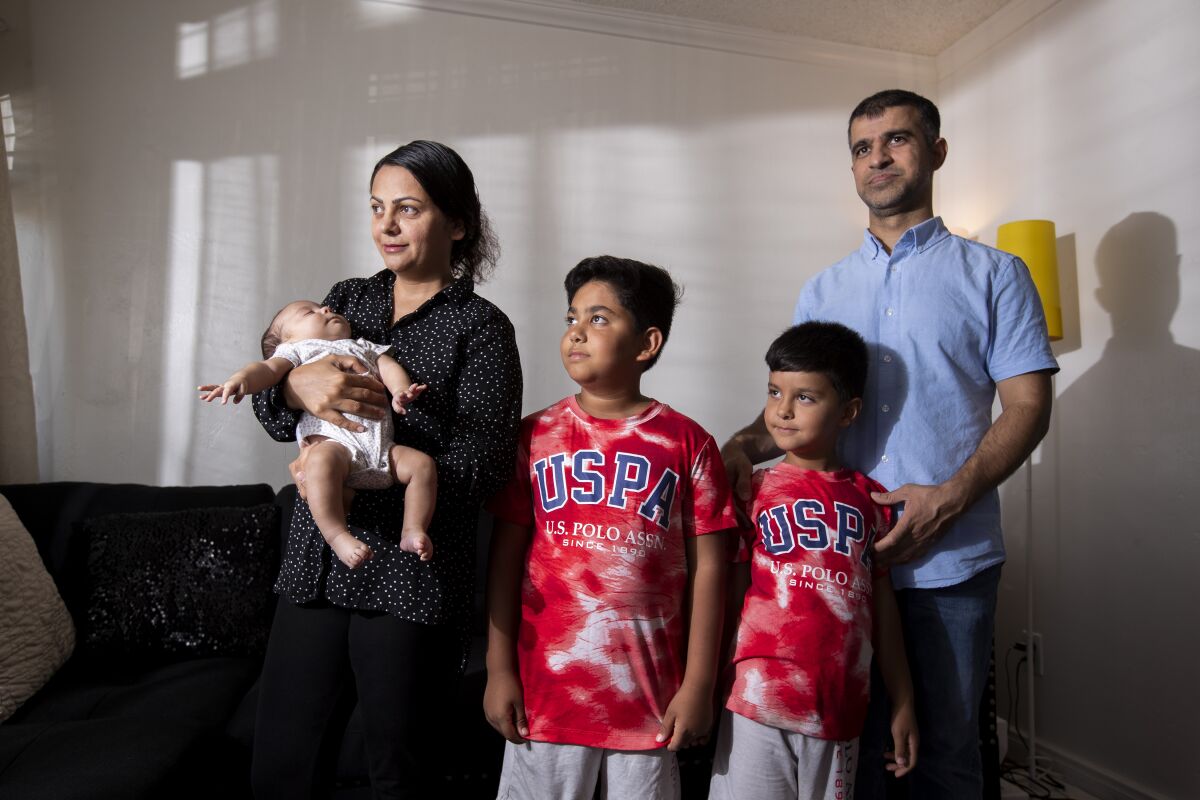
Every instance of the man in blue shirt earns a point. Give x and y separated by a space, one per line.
950 324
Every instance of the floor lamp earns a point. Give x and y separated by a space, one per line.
1034 242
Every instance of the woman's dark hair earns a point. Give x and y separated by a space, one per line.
828 348
647 292
448 181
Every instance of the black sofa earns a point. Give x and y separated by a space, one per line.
111 724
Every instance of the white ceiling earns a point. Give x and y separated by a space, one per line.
922 27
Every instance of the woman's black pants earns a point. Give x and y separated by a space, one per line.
405 675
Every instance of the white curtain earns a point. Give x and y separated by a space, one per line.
18 436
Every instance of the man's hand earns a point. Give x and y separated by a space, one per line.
504 705
928 512
739 469
688 719
334 386
1025 402
749 446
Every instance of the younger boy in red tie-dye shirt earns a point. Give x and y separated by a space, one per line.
605 580
814 606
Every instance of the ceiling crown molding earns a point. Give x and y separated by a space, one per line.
666 29
995 29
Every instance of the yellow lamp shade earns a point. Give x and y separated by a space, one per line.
1033 241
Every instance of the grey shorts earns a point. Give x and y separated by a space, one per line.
757 761
544 771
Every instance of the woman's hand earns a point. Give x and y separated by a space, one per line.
335 386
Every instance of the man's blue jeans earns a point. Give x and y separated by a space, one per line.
948 636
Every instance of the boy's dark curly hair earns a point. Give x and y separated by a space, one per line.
829 348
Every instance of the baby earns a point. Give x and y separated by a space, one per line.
303 332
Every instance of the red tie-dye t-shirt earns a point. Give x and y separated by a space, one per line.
803 656
610 502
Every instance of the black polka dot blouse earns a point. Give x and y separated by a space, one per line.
464 348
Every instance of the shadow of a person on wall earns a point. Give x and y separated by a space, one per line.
1119 564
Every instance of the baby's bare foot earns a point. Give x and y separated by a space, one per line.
350 550
417 542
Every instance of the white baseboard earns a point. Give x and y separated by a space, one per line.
1093 779
1009 791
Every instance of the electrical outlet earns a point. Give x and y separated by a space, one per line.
1037 659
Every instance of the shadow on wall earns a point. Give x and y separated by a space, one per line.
1127 533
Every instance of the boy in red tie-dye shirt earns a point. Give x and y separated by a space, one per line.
604 571
814 606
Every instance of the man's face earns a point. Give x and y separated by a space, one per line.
892 162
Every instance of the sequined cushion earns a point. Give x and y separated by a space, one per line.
192 582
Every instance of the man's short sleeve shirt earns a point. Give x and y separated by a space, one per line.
944 319
600 647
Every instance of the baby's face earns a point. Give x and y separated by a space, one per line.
305 319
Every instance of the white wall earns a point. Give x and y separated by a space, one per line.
187 172
1087 116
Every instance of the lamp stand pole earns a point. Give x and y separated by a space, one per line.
1029 641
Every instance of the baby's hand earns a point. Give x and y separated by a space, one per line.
235 387
406 398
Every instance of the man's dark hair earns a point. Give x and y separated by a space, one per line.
875 105
829 348
647 292
448 181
